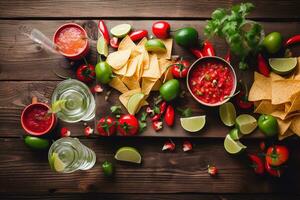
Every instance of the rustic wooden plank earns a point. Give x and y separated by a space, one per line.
21 59
141 9
149 196
14 96
22 170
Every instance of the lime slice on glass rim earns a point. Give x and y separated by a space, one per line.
128 154
120 30
283 66
156 46
56 163
227 113
246 123
232 146
134 102
193 124
58 105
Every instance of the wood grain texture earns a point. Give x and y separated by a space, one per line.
141 9
22 170
21 59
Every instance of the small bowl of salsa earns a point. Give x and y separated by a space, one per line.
36 119
211 81
72 41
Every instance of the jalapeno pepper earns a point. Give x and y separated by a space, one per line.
242 97
262 65
102 28
208 49
292 40
138 35
196 52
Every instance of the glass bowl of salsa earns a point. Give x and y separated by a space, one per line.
36 119
72 41
211 81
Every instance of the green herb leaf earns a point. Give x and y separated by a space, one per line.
187 112
143 117
142 126
116 110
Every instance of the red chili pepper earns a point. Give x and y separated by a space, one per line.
114 42
138 35
157 125
273 171
257 164
156 117
242 97
263 67
170 115
196 52
228 56
102 28
187 146
208 49
292 40
162 107
169 145
212 170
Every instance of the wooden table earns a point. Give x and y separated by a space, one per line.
26 70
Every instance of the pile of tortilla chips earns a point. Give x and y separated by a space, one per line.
138 71
280 97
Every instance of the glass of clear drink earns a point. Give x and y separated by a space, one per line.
79 102
68 154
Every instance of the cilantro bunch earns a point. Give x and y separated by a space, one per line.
243 36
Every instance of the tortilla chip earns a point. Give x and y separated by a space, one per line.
147 85
132 66
131 83
157 85
164 64
295 105
167 75
153 71
265 107
295 125
283 90
122 71
288 133
125 96
117 84
261 88
126 43
168 43
118 59
283 126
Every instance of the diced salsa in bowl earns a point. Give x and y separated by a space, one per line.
211 81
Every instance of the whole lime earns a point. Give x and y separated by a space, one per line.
103 72
170 89
273 42
186 37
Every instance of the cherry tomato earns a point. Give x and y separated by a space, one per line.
277 155
273 171
86 73
161 29
106 126
170 115
128 125
180 69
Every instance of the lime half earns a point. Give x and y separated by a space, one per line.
128 154
120 30
233 147
227 113
193 124
283 66
134 102
56 163
246 123
156 46
58 105
102 47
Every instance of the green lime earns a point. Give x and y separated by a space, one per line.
246 123
36 142
56 163
170 89
233 147
107 168
186 37
103 72
58 105
227 113
120 30
193 124
102 47
134 102
272 42
128 154
283 66
235 134
156 46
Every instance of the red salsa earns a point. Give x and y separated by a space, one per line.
37 119
71 40
211 81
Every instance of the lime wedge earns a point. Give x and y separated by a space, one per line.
128 154
120 30
193 124
235 134
283 66
56 163
246 123
102 47
58 105
233 147
134 102
156 46
227 113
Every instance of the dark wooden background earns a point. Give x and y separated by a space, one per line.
26 70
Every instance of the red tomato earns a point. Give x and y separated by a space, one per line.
180 69
277 155
106 126
161 29
86 73
170 115
128 125
257 164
